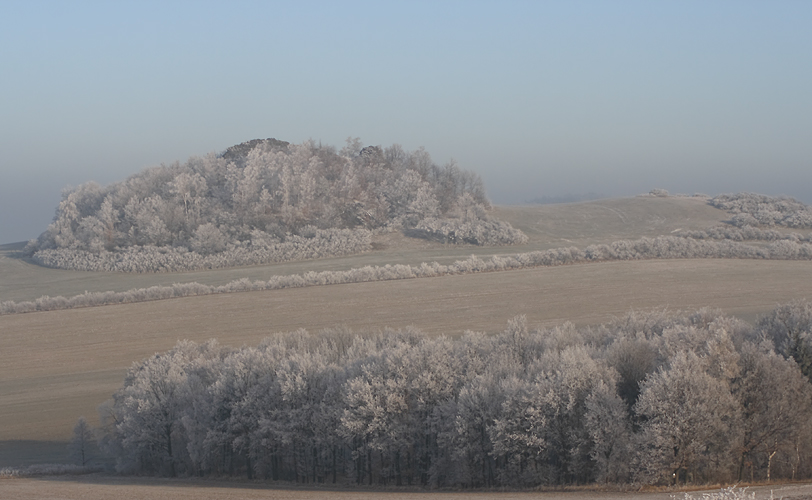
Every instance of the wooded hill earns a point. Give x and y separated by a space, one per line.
266 201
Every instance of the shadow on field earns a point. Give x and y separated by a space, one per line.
112 479
25 452
12 247
14 251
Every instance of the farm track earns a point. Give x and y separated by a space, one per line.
99 487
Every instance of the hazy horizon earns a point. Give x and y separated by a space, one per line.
540 99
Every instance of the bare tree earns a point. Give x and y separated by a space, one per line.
81 442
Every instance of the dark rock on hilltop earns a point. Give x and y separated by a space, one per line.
238 153
372 155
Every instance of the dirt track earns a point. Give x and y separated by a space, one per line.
106 487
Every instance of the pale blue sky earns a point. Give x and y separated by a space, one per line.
539 98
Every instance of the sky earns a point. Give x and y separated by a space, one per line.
540 98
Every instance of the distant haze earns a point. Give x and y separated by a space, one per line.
542 99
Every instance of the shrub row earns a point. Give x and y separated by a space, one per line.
319 244
472 231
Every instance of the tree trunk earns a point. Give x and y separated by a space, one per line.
369 466
334 464
398 478
315 464
169 450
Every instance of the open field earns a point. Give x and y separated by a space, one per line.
547 226
58 365
96 487
603 221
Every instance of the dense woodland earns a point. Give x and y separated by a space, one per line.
266 201
652 397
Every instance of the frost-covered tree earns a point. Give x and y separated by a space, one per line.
789 328
750 209
472 416
776 402
208 239
607 422
149 409
520 435
691 422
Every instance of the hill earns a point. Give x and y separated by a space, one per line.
266 201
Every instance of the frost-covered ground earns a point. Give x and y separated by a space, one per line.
547 226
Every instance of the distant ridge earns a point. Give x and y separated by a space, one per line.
567 198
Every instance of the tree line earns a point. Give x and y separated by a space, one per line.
656 398
254 204
745 233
